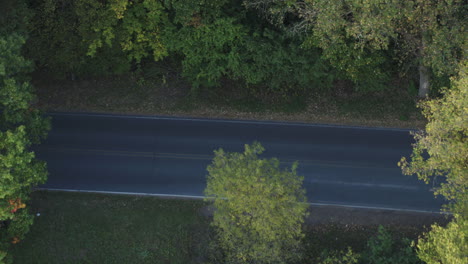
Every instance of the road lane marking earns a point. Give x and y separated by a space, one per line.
320 203
365 184
149 154
175 156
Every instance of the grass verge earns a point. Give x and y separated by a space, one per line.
98 228
171 96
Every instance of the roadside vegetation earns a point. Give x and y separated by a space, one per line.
280 60
136 94
342 62
20 127
441 150
83 228
259 209
93 228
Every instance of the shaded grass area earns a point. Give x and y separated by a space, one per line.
166 93
334 238
97 228
380 106
94 228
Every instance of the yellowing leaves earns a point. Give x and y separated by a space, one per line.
445 245
16 204
20 126
446 141
135 26
15 240
259 207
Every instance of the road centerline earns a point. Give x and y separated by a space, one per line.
170 155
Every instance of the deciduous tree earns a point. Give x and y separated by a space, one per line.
354 34
445 245
259 207
20 126
442 151
133 26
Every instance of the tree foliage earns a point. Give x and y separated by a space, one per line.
20 126
338 257
384 249
259 208
209 51
210 39
228 40
442 149
53 41
66 38
446 245
276 59
135 26
355 35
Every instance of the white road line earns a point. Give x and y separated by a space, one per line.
379 208
234 121
120 193
364 184
302 162
202 197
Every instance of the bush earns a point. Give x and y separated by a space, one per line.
339 257
383 249
447 245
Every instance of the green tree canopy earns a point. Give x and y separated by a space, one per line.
20 126
445 245
442 149
135 26
259 207
210 39
355 34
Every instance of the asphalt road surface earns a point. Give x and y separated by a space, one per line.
347 166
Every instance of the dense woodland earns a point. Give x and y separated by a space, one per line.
283 48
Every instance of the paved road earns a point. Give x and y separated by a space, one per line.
341 165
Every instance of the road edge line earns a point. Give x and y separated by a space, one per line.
181 196
234 121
